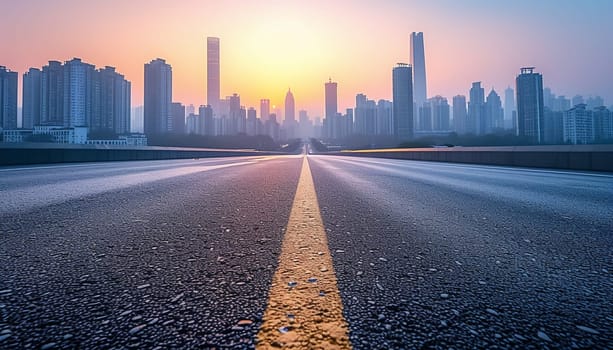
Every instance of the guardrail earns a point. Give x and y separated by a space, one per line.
33 155
576 157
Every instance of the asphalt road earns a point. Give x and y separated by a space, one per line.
181 254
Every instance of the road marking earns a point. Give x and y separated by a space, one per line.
304 305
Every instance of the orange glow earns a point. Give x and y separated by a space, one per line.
268 46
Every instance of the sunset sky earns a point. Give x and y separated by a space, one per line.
270 46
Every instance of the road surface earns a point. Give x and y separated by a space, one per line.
190 253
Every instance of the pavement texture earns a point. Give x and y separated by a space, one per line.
442 256
183 254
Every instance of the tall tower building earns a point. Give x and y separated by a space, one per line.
78 92
476 109
494 116
178 118
418 61
290 107
52 94
158 97
264 109
459 114
213 81
8 99
509 107
530 111
31 114
331 109
113 113
402 77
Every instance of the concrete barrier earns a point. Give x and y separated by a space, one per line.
576 157
33 155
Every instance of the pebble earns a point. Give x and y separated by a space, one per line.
444 295
359 273
380 286
322 293
588 329
492 311
292 284
68 336
543 336
125 313
383 259
312 280
6 291
176 298
137 329
143 286
245 323
283 329
48 346
340 251
4 336
520 337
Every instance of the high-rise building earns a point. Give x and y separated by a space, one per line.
252 122
459 114
418 61
577 100
234 114
476 109
206 116
213 79
402 78
385 118
52 94
554 127
509 107
31 113
290 107
115 102
440 113
158 97
578 125
330 120
365 114
264 110
493 118
530 112
178 118
8 99
603 124
79 87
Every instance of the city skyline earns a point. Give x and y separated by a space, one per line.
298 47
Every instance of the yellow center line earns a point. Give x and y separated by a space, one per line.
304 305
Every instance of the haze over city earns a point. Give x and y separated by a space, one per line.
270 46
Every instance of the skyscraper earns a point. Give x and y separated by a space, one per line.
8 99
402 77
530 113
459 114
213 81
52 94
331 109
440 113
113 113
290 107
78 92
418 61
158 97
178 118
494 116
365 112
31 98
509 107
476 107
264 110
